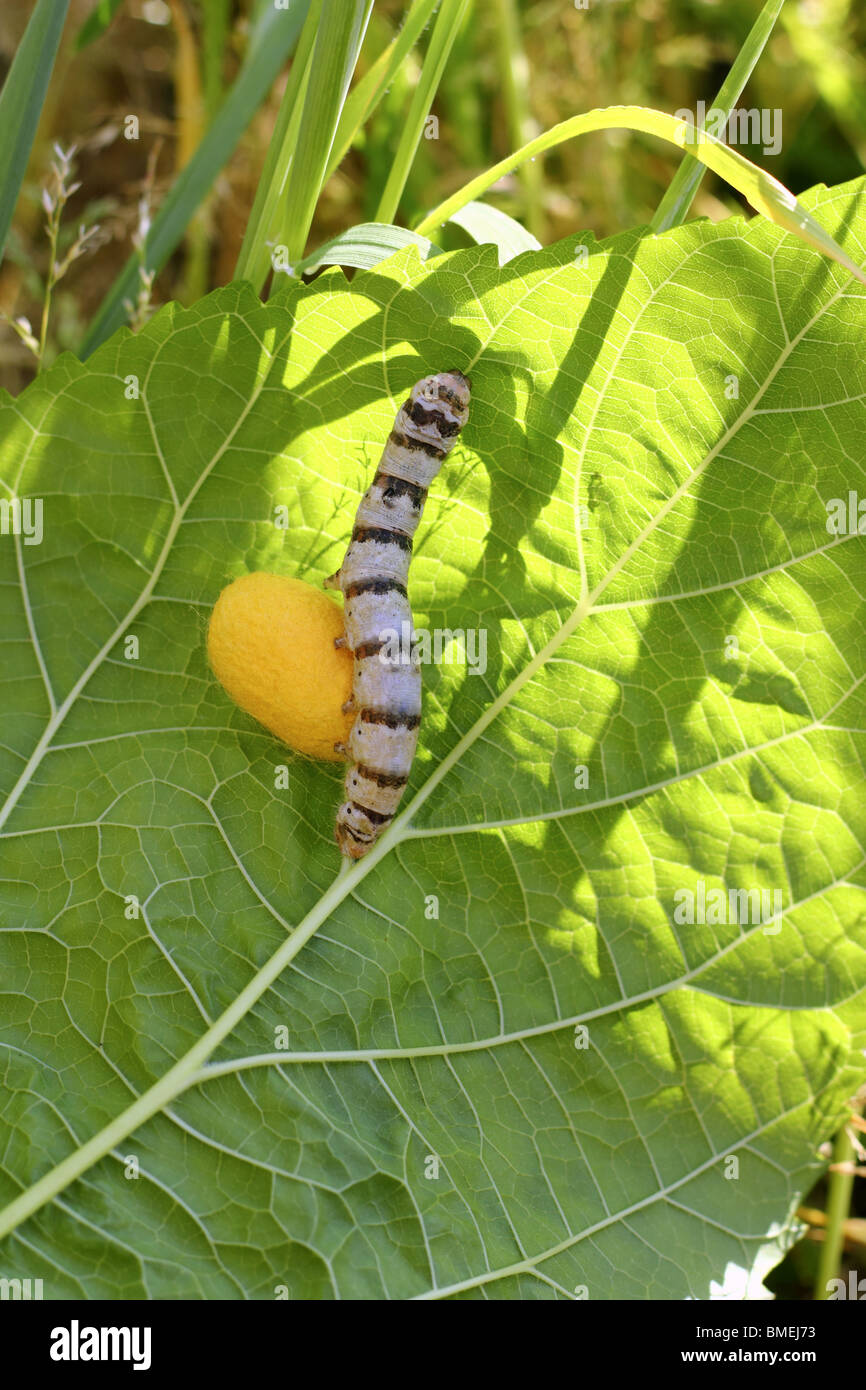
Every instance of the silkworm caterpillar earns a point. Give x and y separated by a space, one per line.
373 578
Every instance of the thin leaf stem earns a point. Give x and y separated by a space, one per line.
53 229
840 1188
445 31
514 75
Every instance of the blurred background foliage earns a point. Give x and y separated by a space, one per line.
517 68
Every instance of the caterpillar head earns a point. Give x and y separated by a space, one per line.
439 404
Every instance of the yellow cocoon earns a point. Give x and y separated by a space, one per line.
271 646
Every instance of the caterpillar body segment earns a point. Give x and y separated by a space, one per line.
386 681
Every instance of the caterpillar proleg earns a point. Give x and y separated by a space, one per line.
386 693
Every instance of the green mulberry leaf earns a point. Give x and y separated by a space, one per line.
496 1058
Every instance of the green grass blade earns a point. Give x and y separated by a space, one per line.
275 41
514 77
21 101
464 98
254 258
366 95
364 246
442 38
765 193
96 22
674 206
215 20
341 29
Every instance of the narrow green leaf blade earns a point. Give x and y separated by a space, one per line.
276 37
445 31
342 24
765 193
216 18
254 258
21 101
674 206
97 22
366 94
513 78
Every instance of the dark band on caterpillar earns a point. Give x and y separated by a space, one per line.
416 446
394 488
381 535
371 648
377 817
395 719
382 779
375 586
386 695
